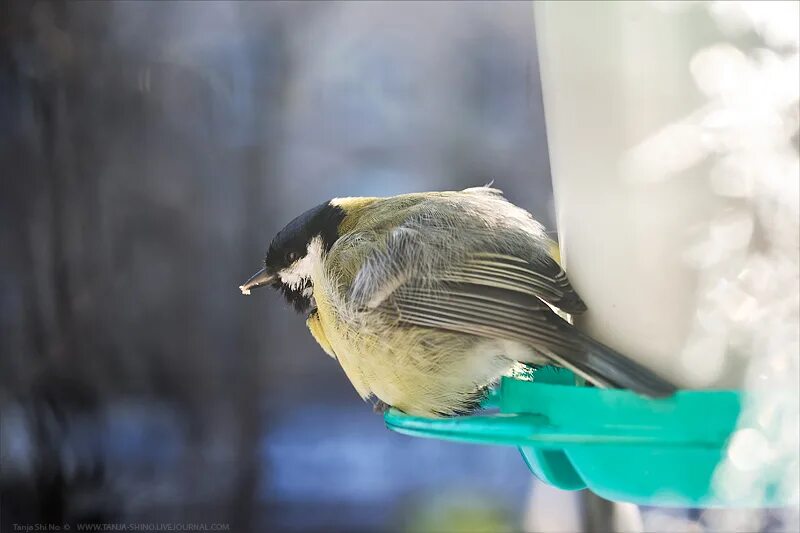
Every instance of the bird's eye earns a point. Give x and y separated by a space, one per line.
291 257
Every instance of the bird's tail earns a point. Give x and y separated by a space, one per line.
605 367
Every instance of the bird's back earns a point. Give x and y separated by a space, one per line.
436 230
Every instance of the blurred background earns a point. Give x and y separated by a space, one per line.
149 152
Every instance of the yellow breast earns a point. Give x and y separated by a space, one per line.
336 340
317 331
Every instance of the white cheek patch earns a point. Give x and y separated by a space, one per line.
298 273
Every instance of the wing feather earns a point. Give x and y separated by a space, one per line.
484 311
498 313
542 277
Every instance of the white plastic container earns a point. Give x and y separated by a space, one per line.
631 196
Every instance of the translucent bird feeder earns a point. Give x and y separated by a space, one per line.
618 444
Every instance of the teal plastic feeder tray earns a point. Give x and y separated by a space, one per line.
620 445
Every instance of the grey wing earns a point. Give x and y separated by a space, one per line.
541 277
481 310
480 291
496 295
402 259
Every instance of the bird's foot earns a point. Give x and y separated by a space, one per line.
380 406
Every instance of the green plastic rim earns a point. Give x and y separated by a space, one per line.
620 445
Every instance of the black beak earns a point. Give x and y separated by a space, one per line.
259 279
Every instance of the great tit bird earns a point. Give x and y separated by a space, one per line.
426 299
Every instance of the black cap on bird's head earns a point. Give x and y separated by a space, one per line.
291 254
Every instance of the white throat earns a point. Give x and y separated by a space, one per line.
300 272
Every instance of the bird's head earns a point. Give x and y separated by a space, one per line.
294 252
